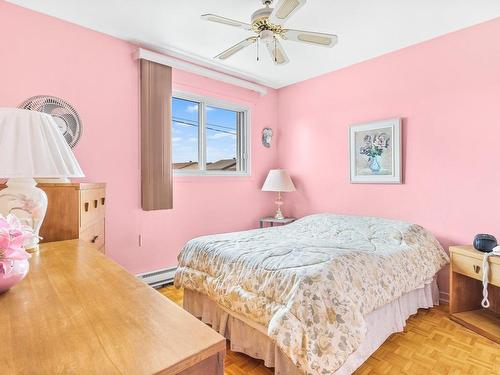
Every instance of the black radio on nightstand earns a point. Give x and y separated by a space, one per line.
485 242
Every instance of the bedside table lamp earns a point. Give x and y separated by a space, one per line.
278 180
31 146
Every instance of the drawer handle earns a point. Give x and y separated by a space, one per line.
86 206
476 268
95 203
93 240
102 201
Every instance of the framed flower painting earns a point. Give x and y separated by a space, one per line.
375 152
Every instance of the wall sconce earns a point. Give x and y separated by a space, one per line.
267 134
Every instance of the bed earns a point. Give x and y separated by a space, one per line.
317 296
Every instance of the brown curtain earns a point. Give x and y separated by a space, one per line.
156 142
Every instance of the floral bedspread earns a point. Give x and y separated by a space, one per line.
312 282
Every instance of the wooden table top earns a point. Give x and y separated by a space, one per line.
78 312
272 219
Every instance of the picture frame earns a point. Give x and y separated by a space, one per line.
375 152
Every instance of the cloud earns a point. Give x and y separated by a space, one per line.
193 139
176 139
221 135
194 108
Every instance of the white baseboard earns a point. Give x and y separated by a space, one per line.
158 278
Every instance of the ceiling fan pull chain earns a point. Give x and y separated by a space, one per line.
275 56
257 49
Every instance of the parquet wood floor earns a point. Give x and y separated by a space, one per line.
432 344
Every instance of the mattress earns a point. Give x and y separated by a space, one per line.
313 282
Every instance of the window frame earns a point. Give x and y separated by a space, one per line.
243 140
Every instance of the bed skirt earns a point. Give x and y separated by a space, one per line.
251 338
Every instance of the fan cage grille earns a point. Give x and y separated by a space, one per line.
65 111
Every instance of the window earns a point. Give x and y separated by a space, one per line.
209 137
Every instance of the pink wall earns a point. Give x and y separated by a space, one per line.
447 90
96 73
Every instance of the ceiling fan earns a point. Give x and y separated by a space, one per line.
267 23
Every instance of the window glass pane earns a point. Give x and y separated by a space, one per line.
185 125
221 139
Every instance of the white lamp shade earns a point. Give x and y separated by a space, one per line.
278 180
31 146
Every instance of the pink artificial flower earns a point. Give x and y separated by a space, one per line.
4 239
13 237
4 224
5 266
14 254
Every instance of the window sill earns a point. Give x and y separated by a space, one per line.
178 173
217 176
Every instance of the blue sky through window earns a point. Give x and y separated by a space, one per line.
184 131
221 132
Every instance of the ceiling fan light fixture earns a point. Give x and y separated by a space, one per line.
266 36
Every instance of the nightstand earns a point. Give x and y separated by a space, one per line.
466 291
271 221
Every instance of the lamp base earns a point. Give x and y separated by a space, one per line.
23 199
279 202
279 215
33 249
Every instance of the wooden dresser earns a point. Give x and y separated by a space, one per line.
78 312
75 210
466 291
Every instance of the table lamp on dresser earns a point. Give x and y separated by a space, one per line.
31 146
278 180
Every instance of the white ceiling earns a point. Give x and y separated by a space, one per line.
366 29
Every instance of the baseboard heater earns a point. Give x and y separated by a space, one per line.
158 278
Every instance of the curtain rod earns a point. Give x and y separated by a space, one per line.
202 71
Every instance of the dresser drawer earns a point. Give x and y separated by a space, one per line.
92 208
95 235
473 267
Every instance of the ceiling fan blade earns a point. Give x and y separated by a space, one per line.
236 48
284 9
277 52
309 37
226 21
